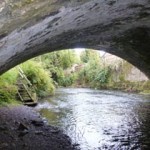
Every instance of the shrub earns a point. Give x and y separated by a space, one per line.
102 75
39 77
10 77
6 97
8 89
67 80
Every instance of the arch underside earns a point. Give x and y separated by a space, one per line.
121 28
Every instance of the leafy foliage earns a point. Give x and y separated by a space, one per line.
89 55
67 80
63 59
8 89
102 76
93 74
10 77
56 63
40 78
55 69
5 97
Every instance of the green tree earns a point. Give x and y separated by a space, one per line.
85 56
90 55
63 59
57 62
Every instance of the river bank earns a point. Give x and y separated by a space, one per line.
22 128
126 86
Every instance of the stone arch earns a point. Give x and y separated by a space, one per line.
118 27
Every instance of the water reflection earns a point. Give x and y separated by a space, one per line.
100 119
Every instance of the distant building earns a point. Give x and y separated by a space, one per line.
118 64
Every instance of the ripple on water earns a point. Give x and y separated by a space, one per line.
100 120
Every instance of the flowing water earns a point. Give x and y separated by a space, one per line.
100 120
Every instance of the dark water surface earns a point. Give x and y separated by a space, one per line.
100 120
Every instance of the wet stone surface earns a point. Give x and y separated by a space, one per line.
22 128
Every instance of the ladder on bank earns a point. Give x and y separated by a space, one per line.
24 90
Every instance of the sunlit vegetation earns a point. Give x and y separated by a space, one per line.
66 68
57 64
93 74
8 88
40 78
61 66
90 71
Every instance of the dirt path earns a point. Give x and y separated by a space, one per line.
21 128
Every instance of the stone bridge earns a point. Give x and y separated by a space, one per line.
29 28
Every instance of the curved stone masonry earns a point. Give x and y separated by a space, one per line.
30 28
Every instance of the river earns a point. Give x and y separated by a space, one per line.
99 119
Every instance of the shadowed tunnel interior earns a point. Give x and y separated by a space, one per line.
118 27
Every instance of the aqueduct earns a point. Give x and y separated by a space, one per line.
29 28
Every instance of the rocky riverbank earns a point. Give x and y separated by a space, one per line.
22 128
